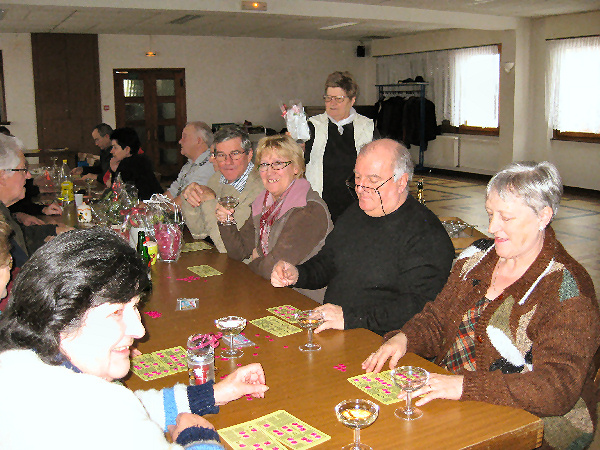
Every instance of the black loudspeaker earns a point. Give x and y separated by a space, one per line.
360 51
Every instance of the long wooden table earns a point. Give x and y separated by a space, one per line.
306 384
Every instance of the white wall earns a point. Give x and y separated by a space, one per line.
18 84
237 79
227 79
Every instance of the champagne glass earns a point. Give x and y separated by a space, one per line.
228 202
409 379
357 414
232 326
89 181
309 319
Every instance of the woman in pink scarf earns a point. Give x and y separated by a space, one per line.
289 219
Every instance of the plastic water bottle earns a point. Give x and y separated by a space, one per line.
66 183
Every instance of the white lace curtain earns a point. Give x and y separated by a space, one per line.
573 85
452 76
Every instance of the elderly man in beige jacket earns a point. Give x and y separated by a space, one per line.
237 177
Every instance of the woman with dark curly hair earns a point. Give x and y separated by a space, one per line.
66 335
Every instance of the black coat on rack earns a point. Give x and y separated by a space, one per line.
406 115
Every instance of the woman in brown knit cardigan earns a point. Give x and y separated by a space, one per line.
517 323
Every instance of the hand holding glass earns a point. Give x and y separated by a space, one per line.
309 319
357 414
228 202
232 326
409 379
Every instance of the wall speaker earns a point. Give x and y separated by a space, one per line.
360 51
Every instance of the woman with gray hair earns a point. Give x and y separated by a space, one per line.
527 316
336 136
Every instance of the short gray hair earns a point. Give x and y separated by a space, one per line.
537 184
11 149
402 163
231 132
203 131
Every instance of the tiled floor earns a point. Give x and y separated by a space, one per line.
577 224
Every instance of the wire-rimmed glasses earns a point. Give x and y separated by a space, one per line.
352 186
235 155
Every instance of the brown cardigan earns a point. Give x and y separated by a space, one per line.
557 321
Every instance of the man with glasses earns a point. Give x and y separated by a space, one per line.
196 140
13 175
336 137
387 255
236 178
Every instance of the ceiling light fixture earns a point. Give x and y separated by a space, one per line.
150 53
339 25
254 6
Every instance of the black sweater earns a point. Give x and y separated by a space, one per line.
381 270
137 170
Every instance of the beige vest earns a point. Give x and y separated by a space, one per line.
363 134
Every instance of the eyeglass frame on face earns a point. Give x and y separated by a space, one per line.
262 167
235 155
351 184
338 98
25 169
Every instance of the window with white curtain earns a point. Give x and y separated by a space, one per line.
464 84
573 88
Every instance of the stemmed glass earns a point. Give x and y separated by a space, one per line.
309 319
89 182
409 379
228 202
357 414
232 326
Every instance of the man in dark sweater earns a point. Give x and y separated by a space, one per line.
386 257
101 136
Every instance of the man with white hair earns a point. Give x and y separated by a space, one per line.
387 255
196 140
13 174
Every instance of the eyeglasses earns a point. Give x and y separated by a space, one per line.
336 99
277 165
235 155
350 183
26 169
353 186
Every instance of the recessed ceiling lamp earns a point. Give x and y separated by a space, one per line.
150 53
339 25
254 6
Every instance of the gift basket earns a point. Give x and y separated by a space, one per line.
167 226
295 120
109 210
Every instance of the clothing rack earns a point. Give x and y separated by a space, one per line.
408 90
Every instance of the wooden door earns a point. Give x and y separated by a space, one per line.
152 101
67 90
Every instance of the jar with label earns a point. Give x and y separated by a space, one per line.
200 359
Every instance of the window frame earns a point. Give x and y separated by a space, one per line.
575 136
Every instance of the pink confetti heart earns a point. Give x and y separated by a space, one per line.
153 314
